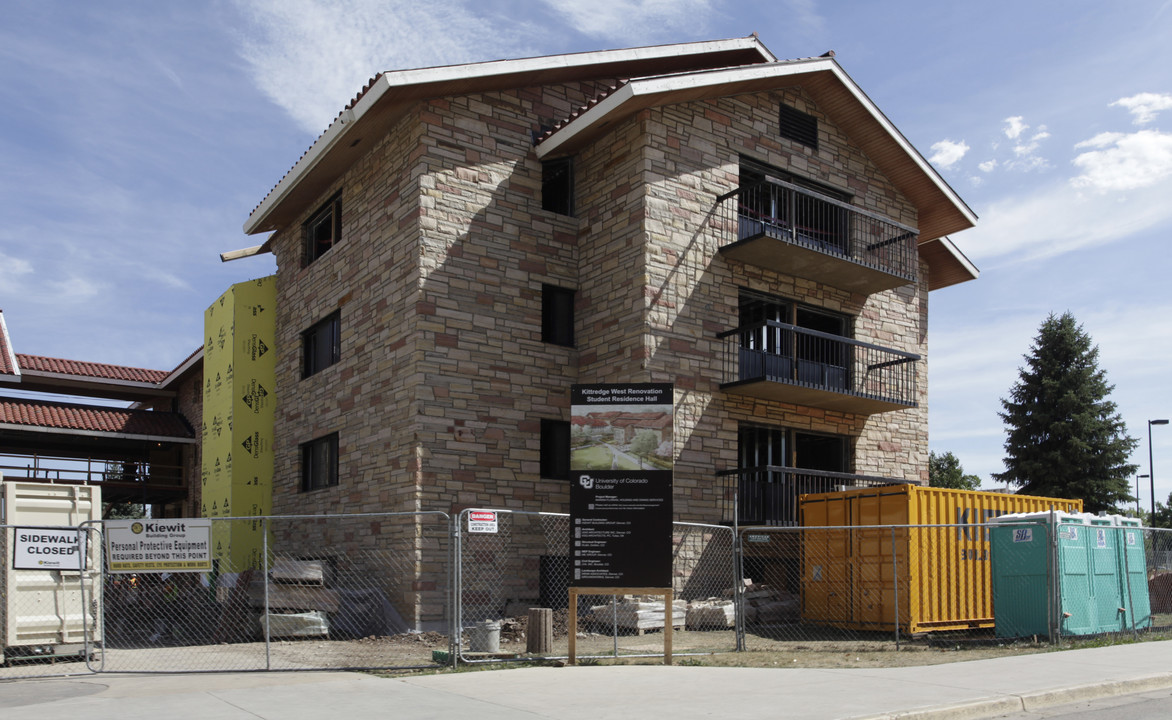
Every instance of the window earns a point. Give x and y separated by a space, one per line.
777 465
772 350
323 229
557 186
555 449
793 124
557 315
321 345
796 208
319 463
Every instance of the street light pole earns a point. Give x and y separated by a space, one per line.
1137 479
1151 471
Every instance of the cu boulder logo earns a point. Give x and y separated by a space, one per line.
586 482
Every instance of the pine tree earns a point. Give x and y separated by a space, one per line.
1065 438
944 471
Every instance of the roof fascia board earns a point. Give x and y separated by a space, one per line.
96 434
178 372
8 347
76 381
404 78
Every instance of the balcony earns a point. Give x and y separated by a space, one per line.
780 226
786 363
770 495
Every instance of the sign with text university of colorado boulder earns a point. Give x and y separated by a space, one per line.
621 485
168 545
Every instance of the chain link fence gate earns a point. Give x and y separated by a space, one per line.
47 617
359 591
520 561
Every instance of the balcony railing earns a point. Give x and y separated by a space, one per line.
769 495
779 361
799 232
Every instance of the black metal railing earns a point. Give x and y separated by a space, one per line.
769 495
779 352
782 210
90 471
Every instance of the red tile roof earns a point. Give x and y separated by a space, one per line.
36 363
92 418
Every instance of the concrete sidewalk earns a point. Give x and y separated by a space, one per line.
967 689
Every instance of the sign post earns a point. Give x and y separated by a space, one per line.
621 495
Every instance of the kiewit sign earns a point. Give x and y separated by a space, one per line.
171 545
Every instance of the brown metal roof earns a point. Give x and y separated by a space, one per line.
55 416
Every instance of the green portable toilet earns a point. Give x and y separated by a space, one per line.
1098 583
1026 600
1133 560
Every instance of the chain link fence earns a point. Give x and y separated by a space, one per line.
417 590
289 593
520 562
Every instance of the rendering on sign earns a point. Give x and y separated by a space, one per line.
170 545
47 549
621 485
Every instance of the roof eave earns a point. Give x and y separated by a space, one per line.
261 219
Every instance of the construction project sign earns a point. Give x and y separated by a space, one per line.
238 411
621 440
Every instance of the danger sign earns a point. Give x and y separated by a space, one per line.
482 521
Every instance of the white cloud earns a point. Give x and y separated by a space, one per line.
1144 106
988 166
311 57
1014 127
636 21
1120 161
1058 218
947 153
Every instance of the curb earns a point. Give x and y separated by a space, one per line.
1029 701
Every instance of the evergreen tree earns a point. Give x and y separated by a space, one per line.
944 471
1065 438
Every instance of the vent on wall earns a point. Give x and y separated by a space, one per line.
798 126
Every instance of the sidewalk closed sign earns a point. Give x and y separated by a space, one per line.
482 521
47 549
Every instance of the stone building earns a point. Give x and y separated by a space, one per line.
464 243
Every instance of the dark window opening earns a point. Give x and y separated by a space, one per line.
777 465
555 449
323 229
321 345
319 463
793 124
557 186
768 207
557 315
771 351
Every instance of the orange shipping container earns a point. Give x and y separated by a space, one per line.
850 567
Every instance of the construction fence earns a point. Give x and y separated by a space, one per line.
425 590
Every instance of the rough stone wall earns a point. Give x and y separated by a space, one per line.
369 276
189 404
692 157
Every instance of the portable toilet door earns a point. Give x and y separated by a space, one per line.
1133 561
1078 614
1107 579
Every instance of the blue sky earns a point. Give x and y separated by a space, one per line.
136 137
